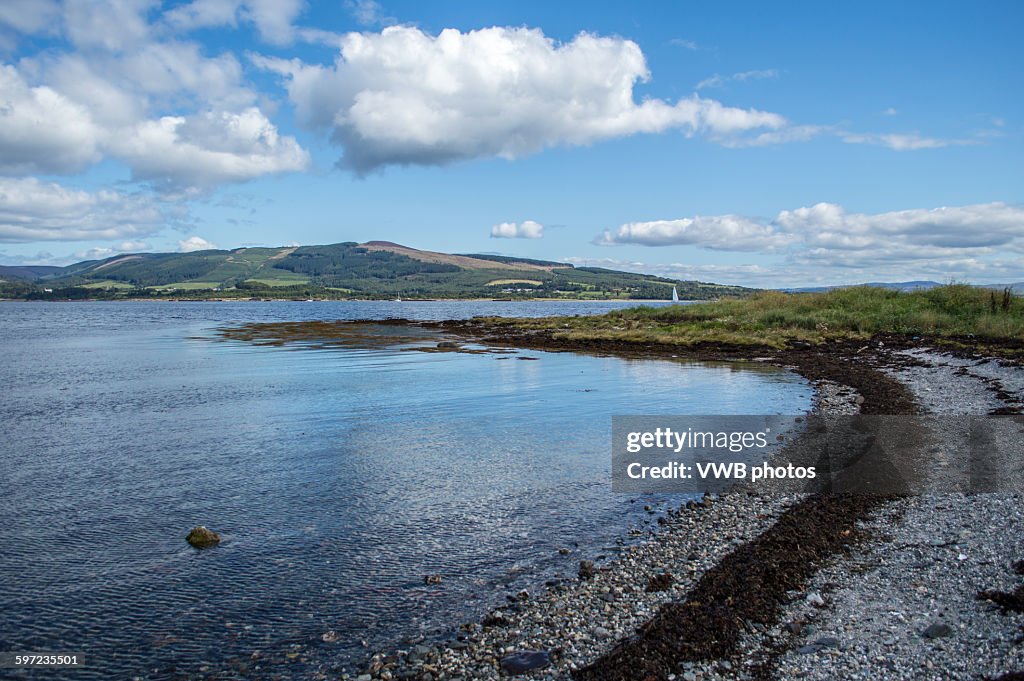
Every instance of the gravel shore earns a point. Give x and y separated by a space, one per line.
577 621
900 605
905 605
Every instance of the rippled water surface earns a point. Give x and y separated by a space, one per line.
338 477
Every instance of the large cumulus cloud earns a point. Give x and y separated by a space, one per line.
403 96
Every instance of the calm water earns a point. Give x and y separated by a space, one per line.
339 479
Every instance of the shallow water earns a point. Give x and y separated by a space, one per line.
338 477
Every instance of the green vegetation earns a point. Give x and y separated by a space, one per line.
513 261
108 284
16 289
344 270
348 261
284 279
775 319
188 286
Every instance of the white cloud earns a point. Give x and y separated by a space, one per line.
974 238
717 232
790 133
177 68
31 210
368 13
203 14
41 130
126 246
728 274
195 243
111 25
682 42
528 229
40 258
901 141
830 233
719 80
891 111
97 253
273 19
45 131
402 96
178 153
62 111
29 16
829 228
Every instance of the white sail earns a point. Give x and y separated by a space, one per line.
675 295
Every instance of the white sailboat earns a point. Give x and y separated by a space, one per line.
675 295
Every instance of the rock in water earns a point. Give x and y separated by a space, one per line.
523 661
586 569
202 537
433 579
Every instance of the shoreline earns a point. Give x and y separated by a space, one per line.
610 627
638 301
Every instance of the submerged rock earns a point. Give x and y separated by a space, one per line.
433 579
202 537
586 570
522 661
447 345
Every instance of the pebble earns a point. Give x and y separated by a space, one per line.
523 661
938 630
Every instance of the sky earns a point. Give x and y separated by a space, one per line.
765 144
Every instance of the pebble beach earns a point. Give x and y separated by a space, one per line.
899 602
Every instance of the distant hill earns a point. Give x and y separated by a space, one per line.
898 286
510 260
375 269
26 272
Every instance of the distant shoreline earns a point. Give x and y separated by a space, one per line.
355 300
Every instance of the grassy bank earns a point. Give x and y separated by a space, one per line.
776 319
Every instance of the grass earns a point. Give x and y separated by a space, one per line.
503 282
777 319
108 284
187 286
288 279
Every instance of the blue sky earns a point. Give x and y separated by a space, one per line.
788 144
